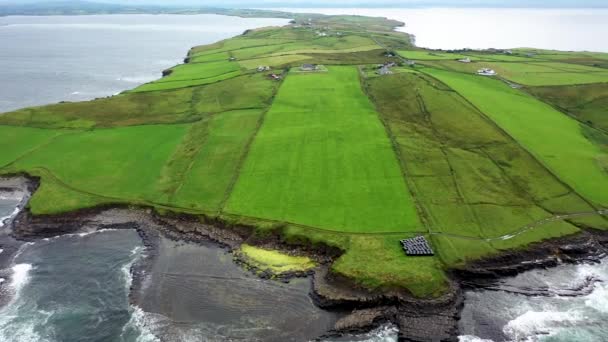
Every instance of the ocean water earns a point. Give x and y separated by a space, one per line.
562 304
480 28
72 288
74 58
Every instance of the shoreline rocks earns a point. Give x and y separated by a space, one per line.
417 319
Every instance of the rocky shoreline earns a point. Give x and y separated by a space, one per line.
417 319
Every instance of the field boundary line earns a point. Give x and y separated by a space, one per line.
37 147
246 149
529 227
423 215
487 118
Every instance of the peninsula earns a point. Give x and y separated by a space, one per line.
393 171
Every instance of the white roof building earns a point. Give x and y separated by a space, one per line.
486 72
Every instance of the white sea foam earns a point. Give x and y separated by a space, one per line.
535 323
598 299
470 338
21 249
141 323
137 79
4 219
20 277
81 234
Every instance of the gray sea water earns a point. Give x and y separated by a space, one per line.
577 29
72 58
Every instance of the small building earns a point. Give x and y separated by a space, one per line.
410 62
309 67
384 70
465 60
486 72
417 246
275 77
263 68
508 52
530 54
232 59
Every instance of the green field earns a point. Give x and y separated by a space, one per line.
472 180
429 55
344 157
328 158
588 103
114 162
560 145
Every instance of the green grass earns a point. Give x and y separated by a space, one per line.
122 163
273 61
553 138
213 166
322 158
541 74
192 74
330 159
429 55
469 178
377 262
121 110
16 142
588 103
275 261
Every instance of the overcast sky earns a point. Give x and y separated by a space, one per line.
352 3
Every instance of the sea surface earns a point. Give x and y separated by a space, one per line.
73 58
480 28
568 303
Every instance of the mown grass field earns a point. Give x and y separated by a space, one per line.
328 159
344 157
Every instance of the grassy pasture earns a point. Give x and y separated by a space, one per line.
157 86
377 262
121 110
16 142
210 57
555 139
540 74
588 103
119 162
497 57
192 71
469 178
253 91
191 74
209 172
426 55
273 61
322 158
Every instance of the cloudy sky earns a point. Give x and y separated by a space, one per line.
352 3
